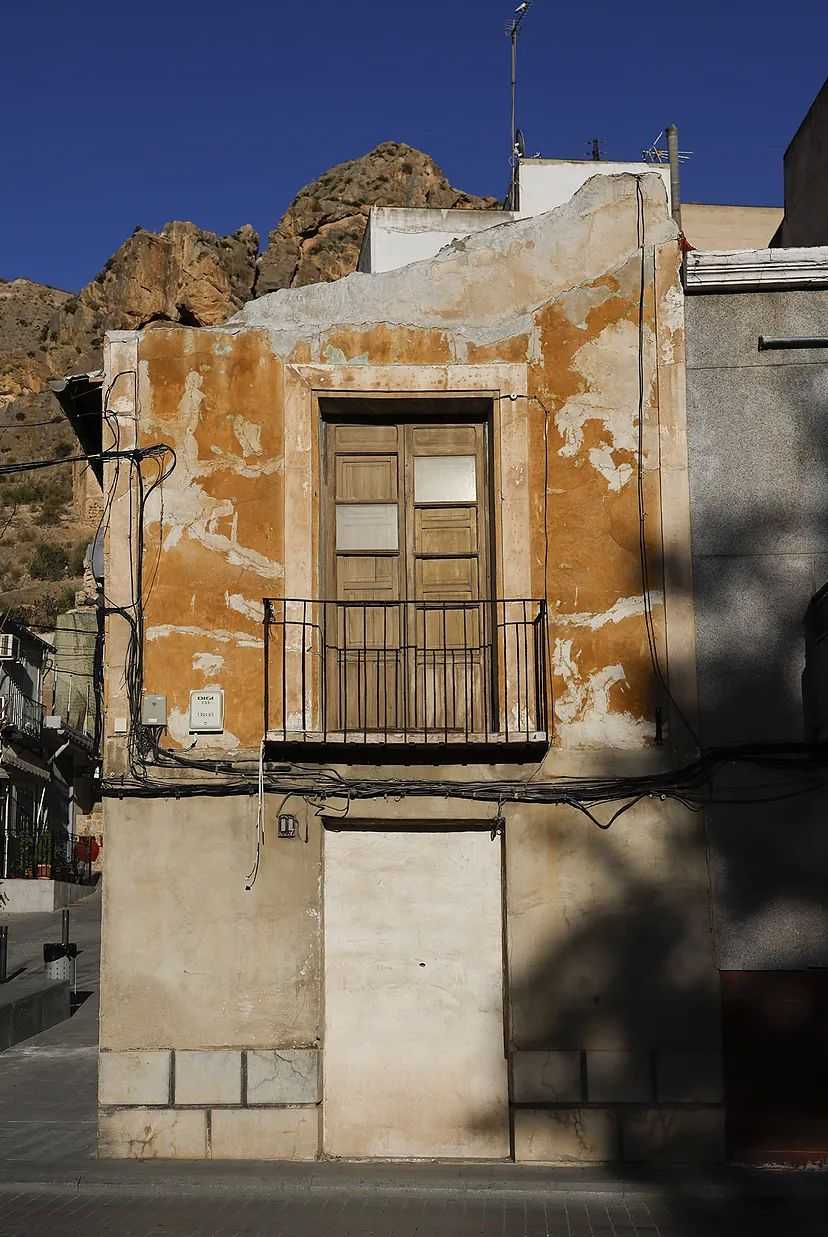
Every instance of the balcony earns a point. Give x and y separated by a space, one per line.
19 713
431 673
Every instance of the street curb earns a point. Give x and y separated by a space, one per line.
274 1179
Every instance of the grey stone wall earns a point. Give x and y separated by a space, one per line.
758 448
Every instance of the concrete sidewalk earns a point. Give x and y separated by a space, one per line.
50 1182
48 1082
339 1200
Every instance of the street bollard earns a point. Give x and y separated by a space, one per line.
66 928
4 953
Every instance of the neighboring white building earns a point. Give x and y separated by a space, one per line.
396 236
546 183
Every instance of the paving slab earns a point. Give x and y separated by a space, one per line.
346 1200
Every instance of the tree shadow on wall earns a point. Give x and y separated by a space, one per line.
651 930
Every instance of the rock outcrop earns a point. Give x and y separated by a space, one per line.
26 309
182 274
319 237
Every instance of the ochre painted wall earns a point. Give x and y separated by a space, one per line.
558 295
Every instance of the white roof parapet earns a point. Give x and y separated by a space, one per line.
741 270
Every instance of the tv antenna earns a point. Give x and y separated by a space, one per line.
661 154
673 156
516 144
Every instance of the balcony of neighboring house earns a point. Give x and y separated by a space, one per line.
23 656
437 673
20 715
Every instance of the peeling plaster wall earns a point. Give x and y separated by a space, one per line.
558 294
546 311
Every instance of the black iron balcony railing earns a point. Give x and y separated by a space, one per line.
31 852
406 672
19 712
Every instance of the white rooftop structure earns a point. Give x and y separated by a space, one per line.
396 236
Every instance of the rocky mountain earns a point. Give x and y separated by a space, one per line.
319 236
181 274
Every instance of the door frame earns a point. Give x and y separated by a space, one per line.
380 409
417 410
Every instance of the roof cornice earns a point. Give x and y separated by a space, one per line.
746 270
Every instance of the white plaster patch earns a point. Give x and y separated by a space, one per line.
190 511
609 366
208 664
250 609
583 708
241 638
623 608
178 724
579 301
335 356
615 475
671 323
248 435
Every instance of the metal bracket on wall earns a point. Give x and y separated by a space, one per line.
767 344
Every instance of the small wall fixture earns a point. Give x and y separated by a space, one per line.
287 827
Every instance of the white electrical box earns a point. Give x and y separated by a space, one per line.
207 711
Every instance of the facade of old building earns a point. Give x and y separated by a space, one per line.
48 762
399 584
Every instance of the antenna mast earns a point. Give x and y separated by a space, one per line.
514 154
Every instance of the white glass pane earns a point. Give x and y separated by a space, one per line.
444 479
366 526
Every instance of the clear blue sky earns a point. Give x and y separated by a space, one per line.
116 114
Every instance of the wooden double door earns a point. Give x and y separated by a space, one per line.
408 630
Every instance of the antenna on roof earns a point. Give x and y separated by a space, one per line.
660 154
515 136
673 156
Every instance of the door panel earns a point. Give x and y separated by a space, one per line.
365 674
365 478
446 492
414 1048
445 530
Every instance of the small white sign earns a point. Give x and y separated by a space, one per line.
207 711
